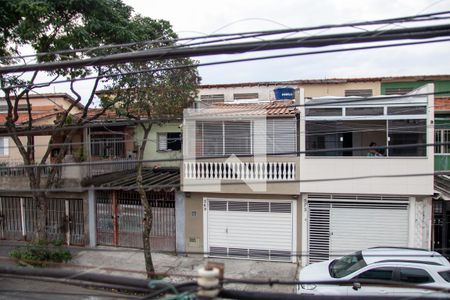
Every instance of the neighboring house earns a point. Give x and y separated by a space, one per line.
18 213
115 211
323 202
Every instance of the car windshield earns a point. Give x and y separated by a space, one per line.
346 265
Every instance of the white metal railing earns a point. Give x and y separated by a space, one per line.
269 171
100 167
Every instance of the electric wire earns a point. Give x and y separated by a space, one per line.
414 18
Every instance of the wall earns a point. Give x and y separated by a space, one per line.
311 90
41 144
439 85
151 150
194 225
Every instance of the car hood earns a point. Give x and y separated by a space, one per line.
316 272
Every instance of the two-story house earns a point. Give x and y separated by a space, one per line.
309 179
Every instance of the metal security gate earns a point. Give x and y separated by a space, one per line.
250 229
336 228
120 215
19 216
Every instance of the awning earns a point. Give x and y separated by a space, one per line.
153 179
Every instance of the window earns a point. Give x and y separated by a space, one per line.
213 98
413 275
107 145
238 139
364 111
225 138
346 265
358 93
390 136
169 141
407 132
330 138
407 110
281 135
245 96
4 146
445 275
442 136
377 274
397 91
318 112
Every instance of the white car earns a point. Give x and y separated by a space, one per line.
414 272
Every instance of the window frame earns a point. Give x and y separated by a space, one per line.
159 137
385 117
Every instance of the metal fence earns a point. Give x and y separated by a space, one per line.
120 215
19 217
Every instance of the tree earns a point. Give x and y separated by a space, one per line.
49 26
152 97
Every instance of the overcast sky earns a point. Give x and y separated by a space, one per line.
190 18
200 17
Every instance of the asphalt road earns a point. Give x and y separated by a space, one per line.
39 288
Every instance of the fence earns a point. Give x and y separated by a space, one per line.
19 217
120 215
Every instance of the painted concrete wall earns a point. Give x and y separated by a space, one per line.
152 152
439 85
311 90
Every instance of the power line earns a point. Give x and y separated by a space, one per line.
43 84
250 34
425 32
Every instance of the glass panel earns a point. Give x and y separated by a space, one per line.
238 138
323 112
445 275
322 135
412 275
407 110
437 140
364 111
173 141
407 132
377 274
212 138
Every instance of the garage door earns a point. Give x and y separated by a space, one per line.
338 228
249 229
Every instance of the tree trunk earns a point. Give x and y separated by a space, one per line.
42 209
148 211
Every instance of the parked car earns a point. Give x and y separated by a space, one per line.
418 270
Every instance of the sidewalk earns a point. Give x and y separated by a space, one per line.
130 262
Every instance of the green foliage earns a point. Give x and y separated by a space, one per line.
41 253
53 25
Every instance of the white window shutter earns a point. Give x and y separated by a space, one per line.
5 146
162 142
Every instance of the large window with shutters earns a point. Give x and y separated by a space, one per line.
238 137
107 145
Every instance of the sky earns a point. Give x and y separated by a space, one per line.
200 17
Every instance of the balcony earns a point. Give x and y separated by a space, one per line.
260 171
278 175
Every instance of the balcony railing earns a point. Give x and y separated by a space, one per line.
18 169
258 171
109 166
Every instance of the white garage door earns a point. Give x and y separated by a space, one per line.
339 228
249 229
